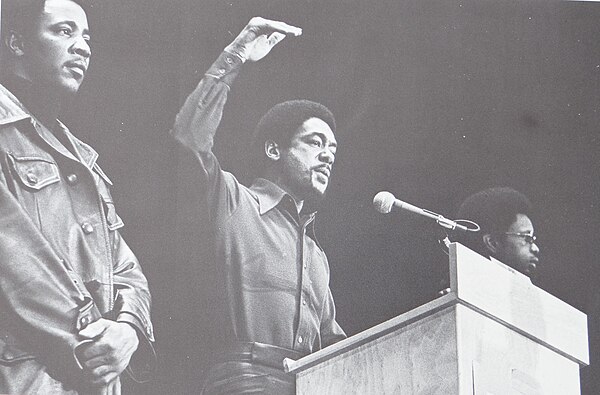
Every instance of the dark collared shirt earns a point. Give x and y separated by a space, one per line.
276 275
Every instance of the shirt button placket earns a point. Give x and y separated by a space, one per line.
302 324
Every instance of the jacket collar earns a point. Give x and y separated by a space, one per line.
84 152
12 110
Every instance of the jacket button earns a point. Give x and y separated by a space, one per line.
300 339
87 228
84 321
32 178
72 179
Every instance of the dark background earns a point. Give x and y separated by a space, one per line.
435 100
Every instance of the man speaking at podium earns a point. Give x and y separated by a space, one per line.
272 275
506 229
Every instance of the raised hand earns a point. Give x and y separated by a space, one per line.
259 36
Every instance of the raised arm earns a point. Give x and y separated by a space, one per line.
198 119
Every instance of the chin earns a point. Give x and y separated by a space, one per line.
319 191
68 86
71 89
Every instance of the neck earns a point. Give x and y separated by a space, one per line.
43 104
299 204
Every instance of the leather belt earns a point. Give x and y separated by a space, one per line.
259 353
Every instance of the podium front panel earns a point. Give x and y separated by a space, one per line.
417 359
454 351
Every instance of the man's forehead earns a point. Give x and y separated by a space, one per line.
67 10
522 224
317 126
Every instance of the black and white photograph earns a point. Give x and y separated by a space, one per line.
299 197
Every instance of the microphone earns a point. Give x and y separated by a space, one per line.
384 202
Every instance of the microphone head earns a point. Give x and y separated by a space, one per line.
383 202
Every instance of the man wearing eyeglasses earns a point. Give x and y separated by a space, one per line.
506 228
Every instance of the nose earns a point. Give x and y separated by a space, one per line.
535 249
327 156
81 47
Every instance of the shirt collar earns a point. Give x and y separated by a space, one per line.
268 194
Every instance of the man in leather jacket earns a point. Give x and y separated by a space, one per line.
74 303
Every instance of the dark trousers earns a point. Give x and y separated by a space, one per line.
252 368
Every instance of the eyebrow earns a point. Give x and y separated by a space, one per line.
73 26
323 137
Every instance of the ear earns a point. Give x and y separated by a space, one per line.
15 43
490 243
272 150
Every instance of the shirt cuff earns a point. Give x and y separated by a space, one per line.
225 68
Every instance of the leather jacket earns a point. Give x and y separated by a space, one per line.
63 263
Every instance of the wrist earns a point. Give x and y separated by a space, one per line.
238 50
130 330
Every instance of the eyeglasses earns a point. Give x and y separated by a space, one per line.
529 238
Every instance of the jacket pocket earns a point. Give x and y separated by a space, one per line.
34 172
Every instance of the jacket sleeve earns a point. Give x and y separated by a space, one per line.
42 303
132 305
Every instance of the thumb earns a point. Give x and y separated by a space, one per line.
263 44
275 37
93 330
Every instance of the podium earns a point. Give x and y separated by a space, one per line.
494 333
